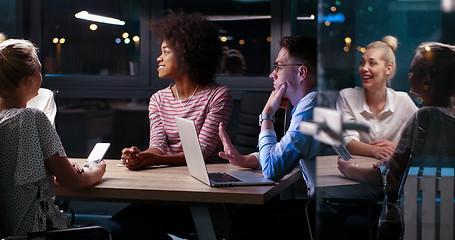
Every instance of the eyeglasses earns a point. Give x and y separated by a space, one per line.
277 67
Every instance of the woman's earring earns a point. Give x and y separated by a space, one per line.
416 98
418 101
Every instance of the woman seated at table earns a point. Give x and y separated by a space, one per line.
429 135
383 109
191 52
30 150
427 139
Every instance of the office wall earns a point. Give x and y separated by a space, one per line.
8 15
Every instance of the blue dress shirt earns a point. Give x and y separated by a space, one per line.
280 158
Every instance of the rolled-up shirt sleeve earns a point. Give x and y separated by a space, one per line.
347 112
280 158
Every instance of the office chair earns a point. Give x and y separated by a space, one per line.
130 127
247 129
68 233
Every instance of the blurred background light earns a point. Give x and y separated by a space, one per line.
98 18
93 27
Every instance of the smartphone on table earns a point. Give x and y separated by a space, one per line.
342 151
97 153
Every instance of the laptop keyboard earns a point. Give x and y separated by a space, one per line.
222 177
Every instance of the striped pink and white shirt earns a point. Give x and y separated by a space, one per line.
207 108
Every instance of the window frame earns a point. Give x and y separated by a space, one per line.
147 82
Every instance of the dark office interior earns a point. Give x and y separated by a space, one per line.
96 74
103 75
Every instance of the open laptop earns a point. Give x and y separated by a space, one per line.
196 163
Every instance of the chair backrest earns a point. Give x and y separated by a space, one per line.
72 129
425 215
422 180
130 127
244 122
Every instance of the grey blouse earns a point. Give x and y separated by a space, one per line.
427 141
27 196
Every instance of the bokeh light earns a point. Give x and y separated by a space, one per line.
93 27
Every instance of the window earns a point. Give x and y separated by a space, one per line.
345 28
91 38
91 47
244 31
86 58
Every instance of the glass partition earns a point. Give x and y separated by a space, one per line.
91 37
345 28
305 17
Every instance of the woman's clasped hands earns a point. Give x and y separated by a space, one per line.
383 148
133 159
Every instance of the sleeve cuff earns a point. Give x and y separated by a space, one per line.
347 140
256 154
265 133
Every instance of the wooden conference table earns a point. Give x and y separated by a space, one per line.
332 184
174 184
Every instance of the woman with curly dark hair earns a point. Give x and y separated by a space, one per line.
191 52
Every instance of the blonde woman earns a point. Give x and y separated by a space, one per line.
32 156
427 139
386 111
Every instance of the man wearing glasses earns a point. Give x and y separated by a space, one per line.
295 80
